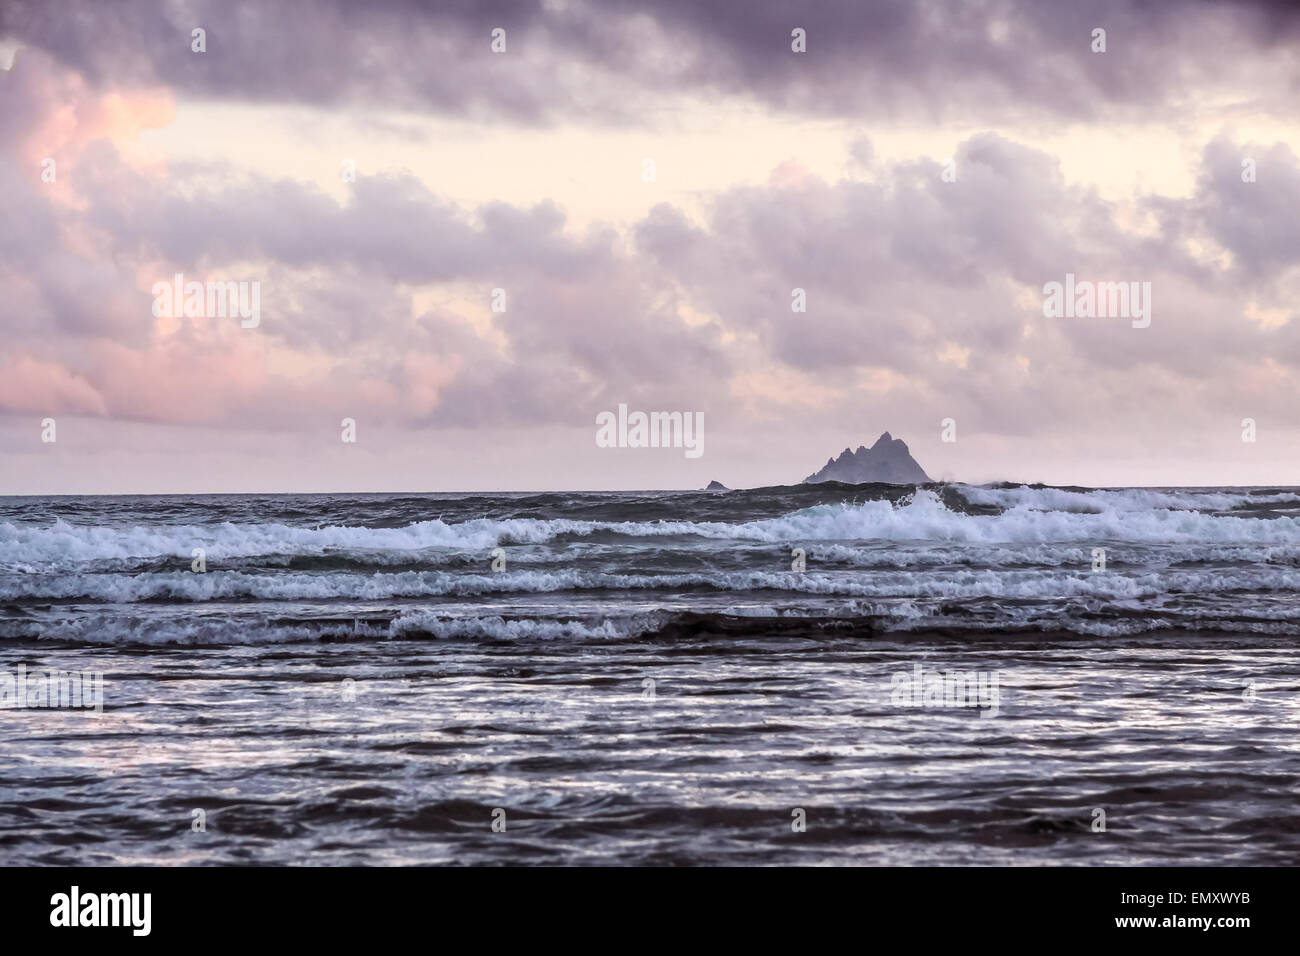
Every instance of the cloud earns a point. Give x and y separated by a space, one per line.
339 280
1255 221
924 296
901 273
992 60
41 388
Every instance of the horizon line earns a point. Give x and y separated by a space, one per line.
625 491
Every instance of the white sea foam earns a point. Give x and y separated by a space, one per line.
494 627
1017 583
1095 518
894 616
1119 500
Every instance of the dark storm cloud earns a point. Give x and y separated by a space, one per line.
612 60
314 51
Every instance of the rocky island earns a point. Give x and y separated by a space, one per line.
888 460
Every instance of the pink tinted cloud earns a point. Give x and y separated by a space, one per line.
178 381
30 385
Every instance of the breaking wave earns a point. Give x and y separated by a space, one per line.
949 559
1028 517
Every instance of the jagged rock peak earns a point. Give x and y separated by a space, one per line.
887 460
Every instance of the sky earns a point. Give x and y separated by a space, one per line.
473 227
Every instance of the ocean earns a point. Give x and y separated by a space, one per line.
824 674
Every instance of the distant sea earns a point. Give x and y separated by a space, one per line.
869 674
